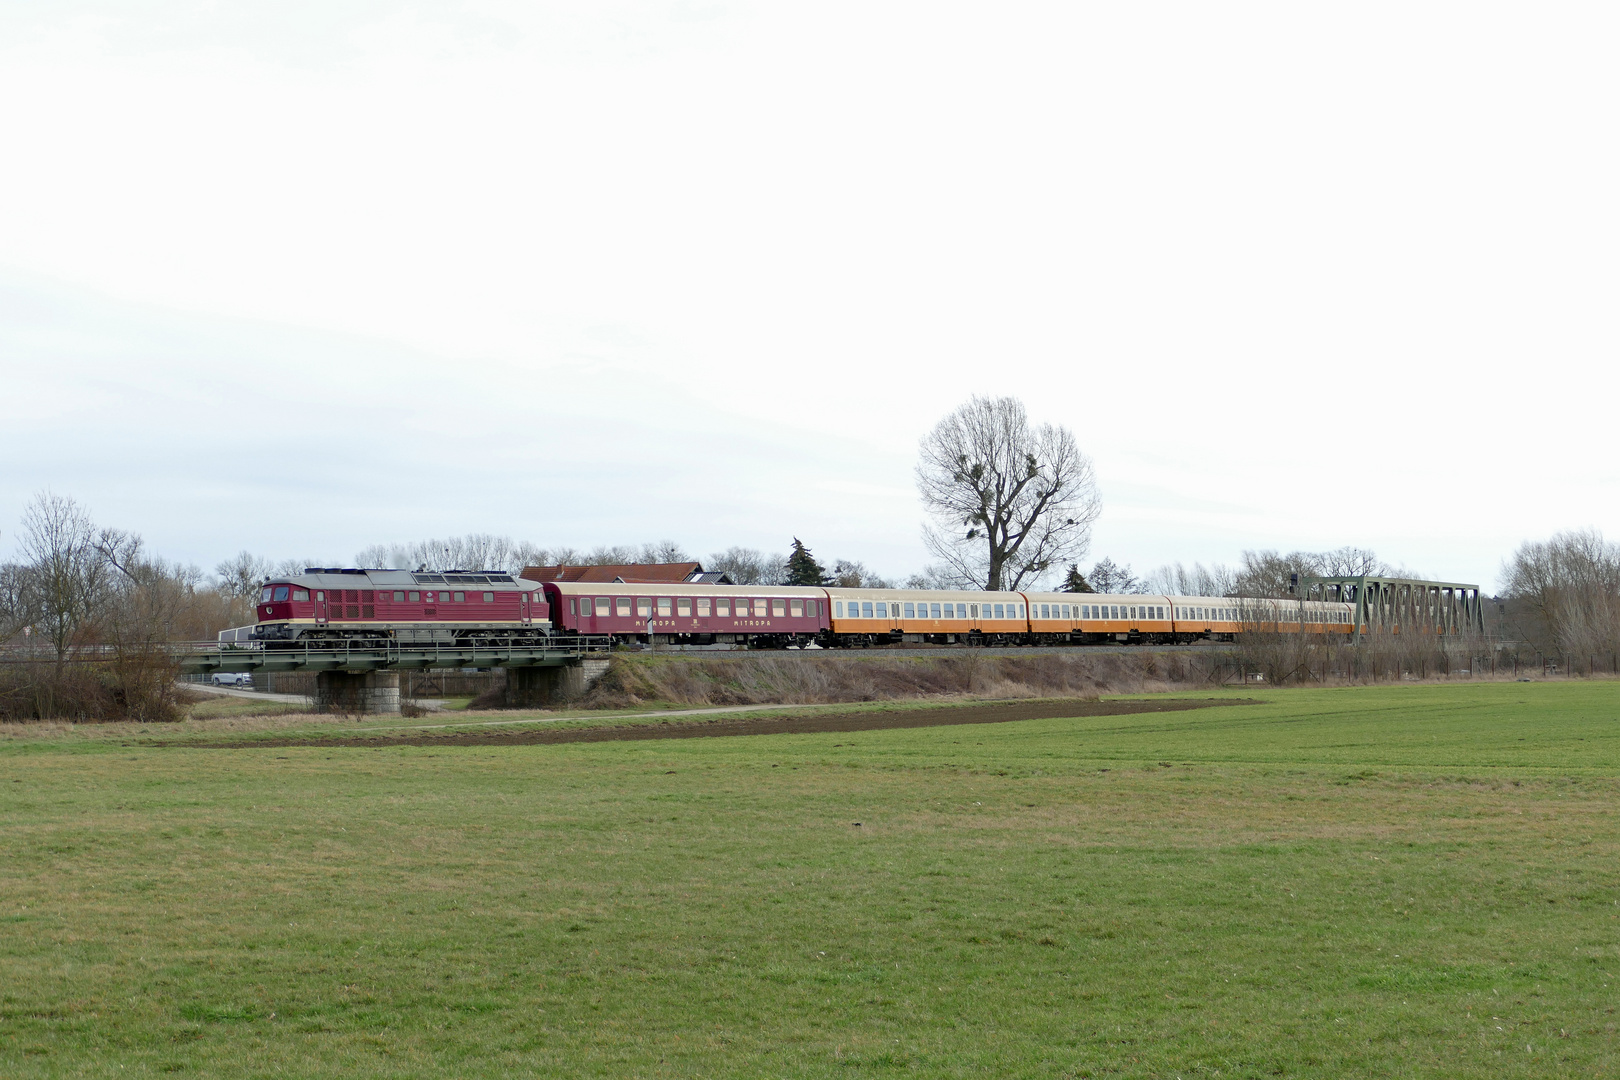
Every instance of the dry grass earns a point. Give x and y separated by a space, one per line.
808 679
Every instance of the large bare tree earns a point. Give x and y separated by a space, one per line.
68 573
1010 500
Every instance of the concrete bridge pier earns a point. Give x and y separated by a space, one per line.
357 691
542 687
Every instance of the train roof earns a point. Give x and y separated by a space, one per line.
320 577
676 588
922 594
1096 598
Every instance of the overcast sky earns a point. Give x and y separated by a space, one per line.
301 277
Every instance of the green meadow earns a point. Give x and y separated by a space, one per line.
1396 881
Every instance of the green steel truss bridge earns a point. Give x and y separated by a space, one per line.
1403 604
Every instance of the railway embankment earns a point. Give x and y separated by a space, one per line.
810 679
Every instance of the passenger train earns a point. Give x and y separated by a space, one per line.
379 606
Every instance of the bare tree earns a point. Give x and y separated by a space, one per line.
851 574
1351 562
18 607
664 551
241 576
746 566
1565 593
1197 580
474 551
67 571
939 576
1009 501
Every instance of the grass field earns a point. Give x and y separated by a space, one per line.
1398 881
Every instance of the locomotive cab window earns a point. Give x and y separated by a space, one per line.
281 592
264 597
300 594
416 598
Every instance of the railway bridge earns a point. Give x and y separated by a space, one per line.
363 676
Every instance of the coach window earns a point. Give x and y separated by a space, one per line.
995 608
882 610
812 607
910 611
759 608
722 608
683 607
604 605
778 608
643 606
399 598
838 608
866 609
666 606
796 608
703 607
416 597
621 607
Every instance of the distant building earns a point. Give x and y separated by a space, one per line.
630 573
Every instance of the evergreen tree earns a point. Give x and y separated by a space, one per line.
802 568
1076 581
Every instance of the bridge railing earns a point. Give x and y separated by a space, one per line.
204 656
207 656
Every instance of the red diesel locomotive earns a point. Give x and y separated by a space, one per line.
399 605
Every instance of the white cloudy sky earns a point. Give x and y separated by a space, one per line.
303 276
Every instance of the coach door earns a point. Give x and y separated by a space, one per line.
320 609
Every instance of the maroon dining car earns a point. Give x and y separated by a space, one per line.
673 613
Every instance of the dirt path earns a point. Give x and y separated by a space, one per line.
718 726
